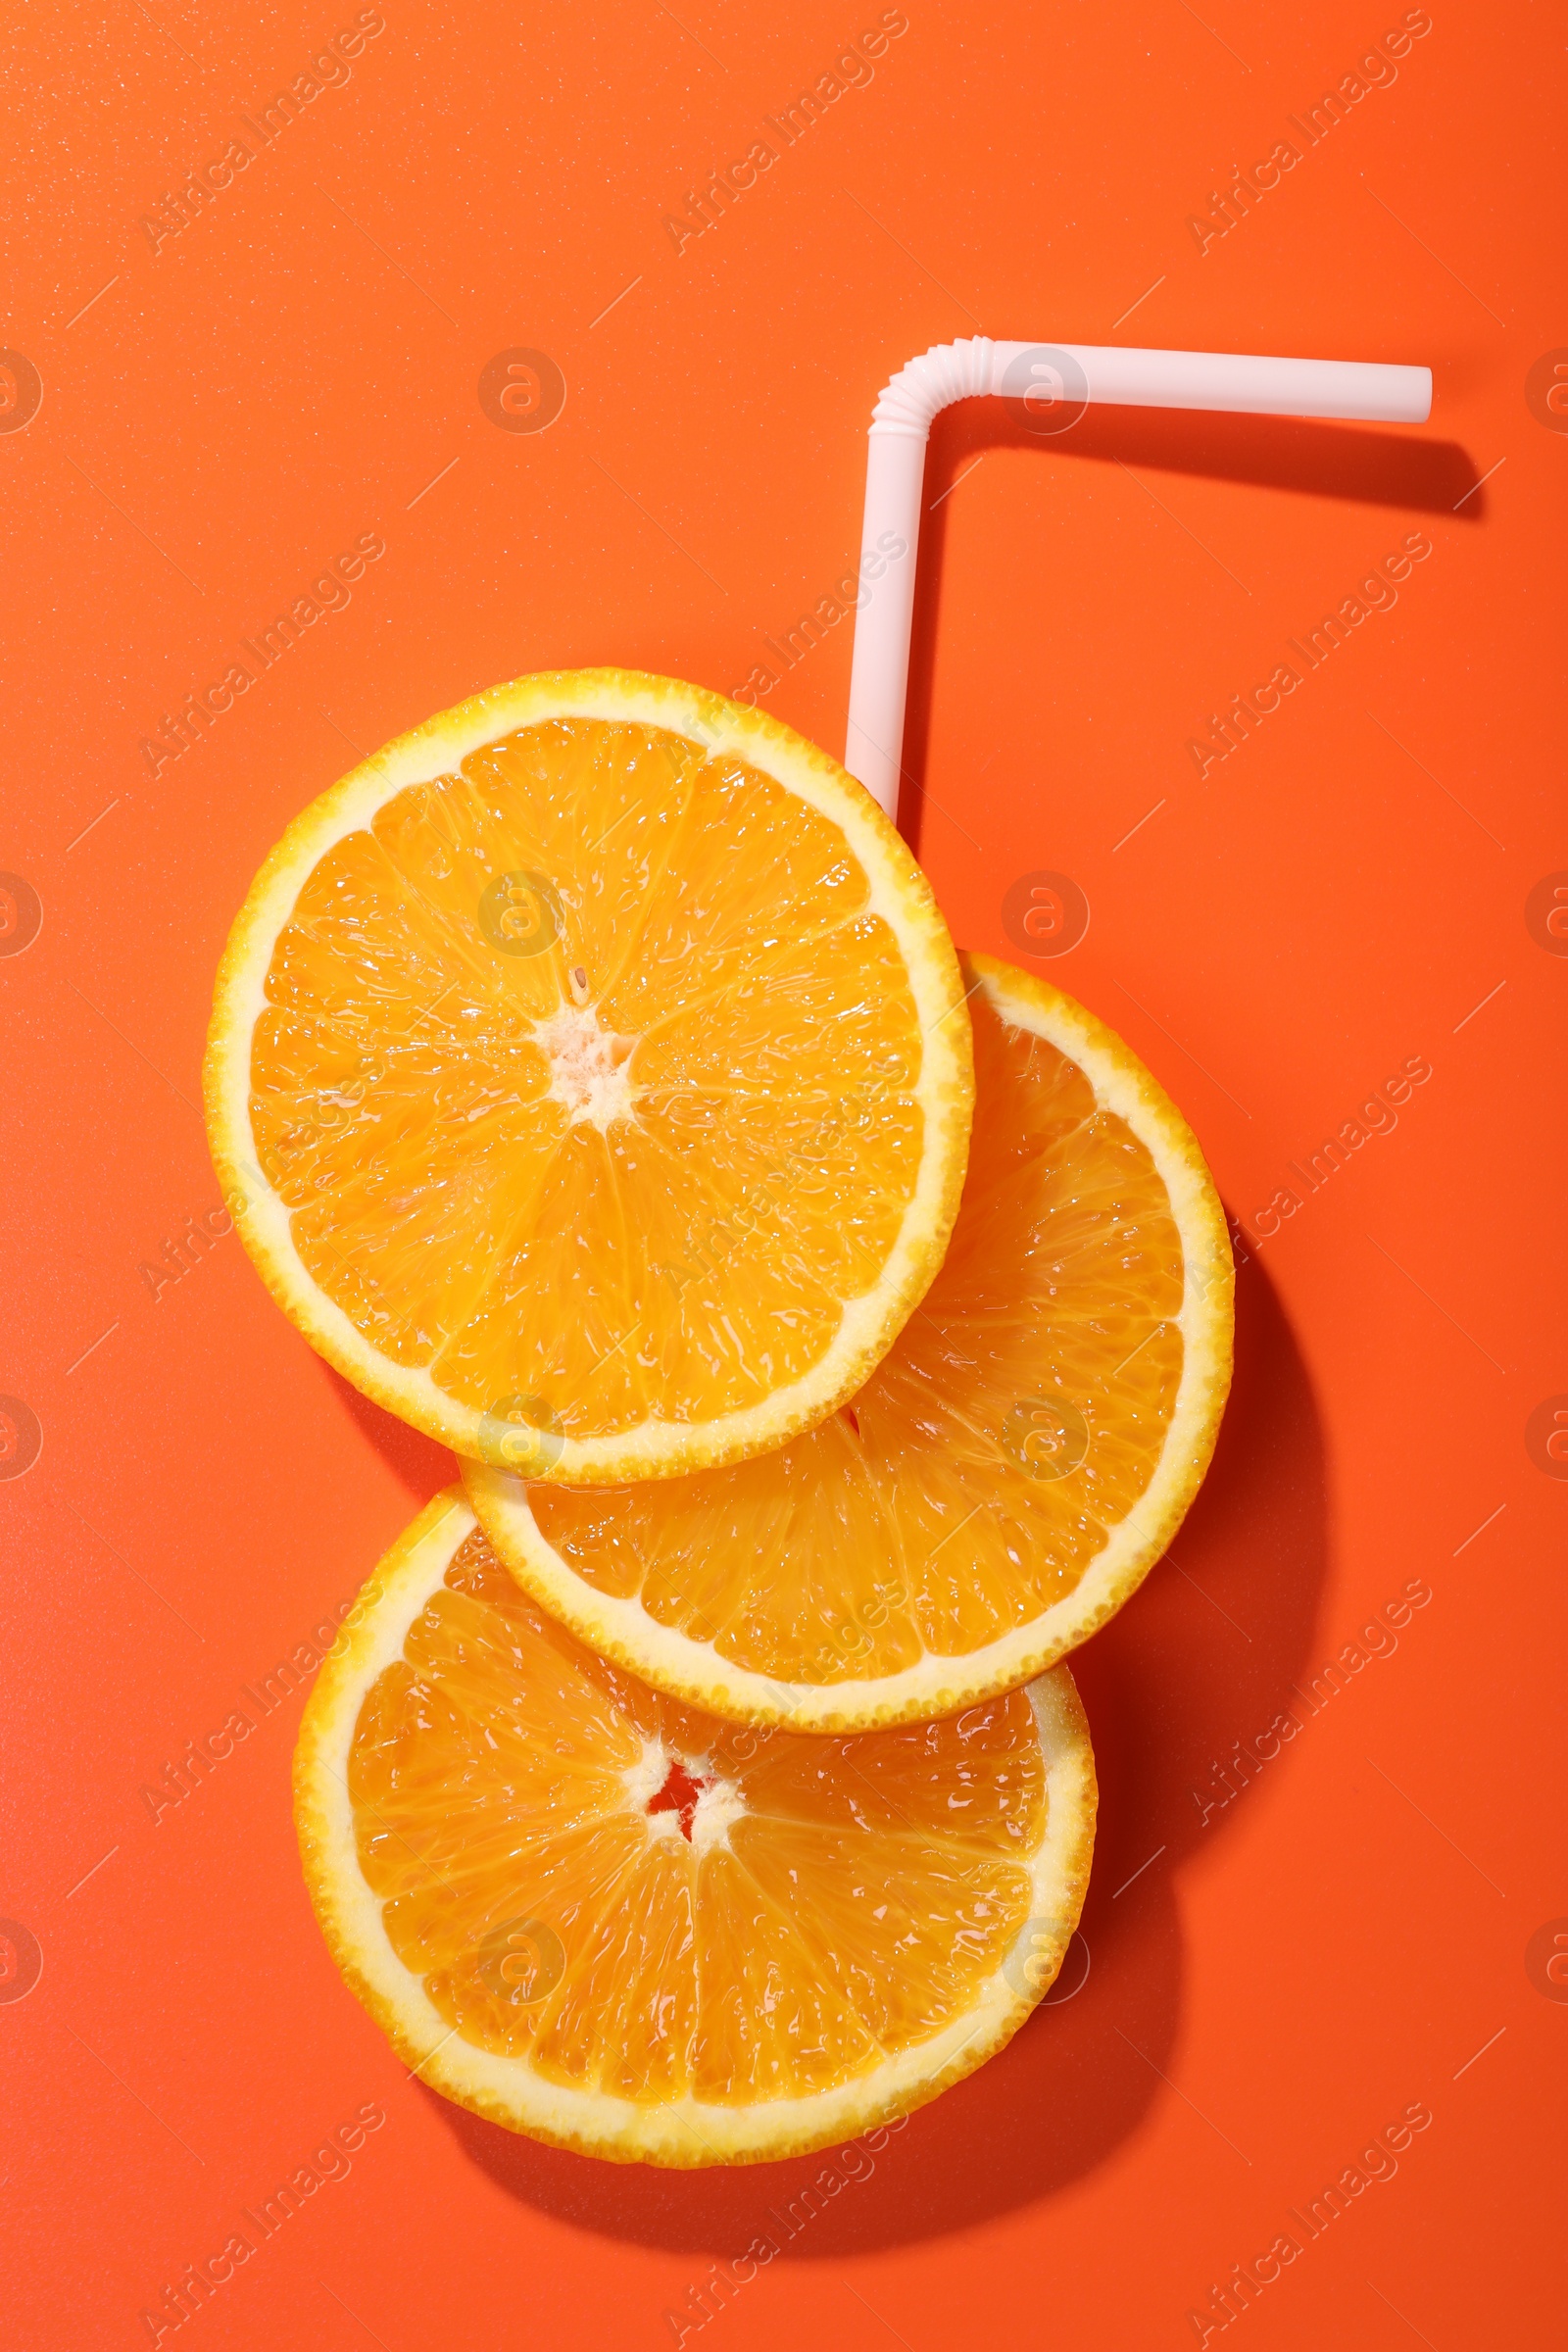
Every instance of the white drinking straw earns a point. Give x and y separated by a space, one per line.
1052 381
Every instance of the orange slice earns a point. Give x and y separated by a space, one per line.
623 1926
590 1080
1006 1477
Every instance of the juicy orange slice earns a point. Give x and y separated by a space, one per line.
590 1079
1010 1473
623 1926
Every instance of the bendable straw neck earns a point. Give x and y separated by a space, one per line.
1054 382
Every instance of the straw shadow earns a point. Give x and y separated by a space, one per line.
1203 1657
423 1466
1275 453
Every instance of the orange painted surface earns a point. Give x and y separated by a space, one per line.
1345 929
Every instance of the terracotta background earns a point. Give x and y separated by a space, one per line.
1368 1925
